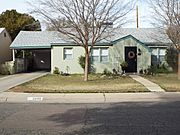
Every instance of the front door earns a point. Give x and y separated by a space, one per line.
131 59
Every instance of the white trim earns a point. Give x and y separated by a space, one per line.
158 46
13 52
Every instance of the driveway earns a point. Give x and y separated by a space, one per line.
17 79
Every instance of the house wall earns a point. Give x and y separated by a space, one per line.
5 52
143 60
57 58
116 57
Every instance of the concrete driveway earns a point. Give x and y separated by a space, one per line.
17 79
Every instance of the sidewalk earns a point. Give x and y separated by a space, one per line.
11 97
148 84
17 79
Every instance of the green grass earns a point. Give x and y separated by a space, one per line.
169 82
75 84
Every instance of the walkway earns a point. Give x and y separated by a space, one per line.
148 84
17 79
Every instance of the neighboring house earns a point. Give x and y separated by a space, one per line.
139 47
5 42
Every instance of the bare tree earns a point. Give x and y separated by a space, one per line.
166 14
86 18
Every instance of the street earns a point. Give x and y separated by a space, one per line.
125 118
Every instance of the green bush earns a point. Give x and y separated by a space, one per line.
155 69
107 72
8 68
56 71
172 58
82 61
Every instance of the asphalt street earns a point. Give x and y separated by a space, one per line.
126 118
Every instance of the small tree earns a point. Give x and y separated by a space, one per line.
87 19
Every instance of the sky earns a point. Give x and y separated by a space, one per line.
22 7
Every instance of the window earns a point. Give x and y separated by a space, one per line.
68 53
104 55
95 55
162 52
100 54
4 34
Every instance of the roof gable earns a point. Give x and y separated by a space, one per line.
130 36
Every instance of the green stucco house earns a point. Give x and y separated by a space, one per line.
48 49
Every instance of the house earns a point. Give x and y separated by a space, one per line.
49 49
5 42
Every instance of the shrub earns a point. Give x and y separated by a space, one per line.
107 72
82 61
141 71
163 68
8 68
124 64
56 71
155 69
172 58
115 72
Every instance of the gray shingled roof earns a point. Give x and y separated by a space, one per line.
145 35
35 39
44 39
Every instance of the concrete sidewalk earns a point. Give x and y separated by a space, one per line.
11 97
17 79
148 84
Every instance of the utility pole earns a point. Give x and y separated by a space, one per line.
137 16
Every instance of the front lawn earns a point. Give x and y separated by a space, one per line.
169 82
75 84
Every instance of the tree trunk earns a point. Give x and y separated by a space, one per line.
179 65
86 71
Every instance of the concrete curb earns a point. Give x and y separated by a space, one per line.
11 97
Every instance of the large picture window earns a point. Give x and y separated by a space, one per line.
68 53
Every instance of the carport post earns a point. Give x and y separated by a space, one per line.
23 54
13 52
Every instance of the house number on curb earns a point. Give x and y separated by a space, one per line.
34 98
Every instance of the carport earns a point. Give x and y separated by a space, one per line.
32 60
32 50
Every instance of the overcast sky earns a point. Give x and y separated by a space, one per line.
22 7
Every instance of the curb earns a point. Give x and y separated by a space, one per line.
10 97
